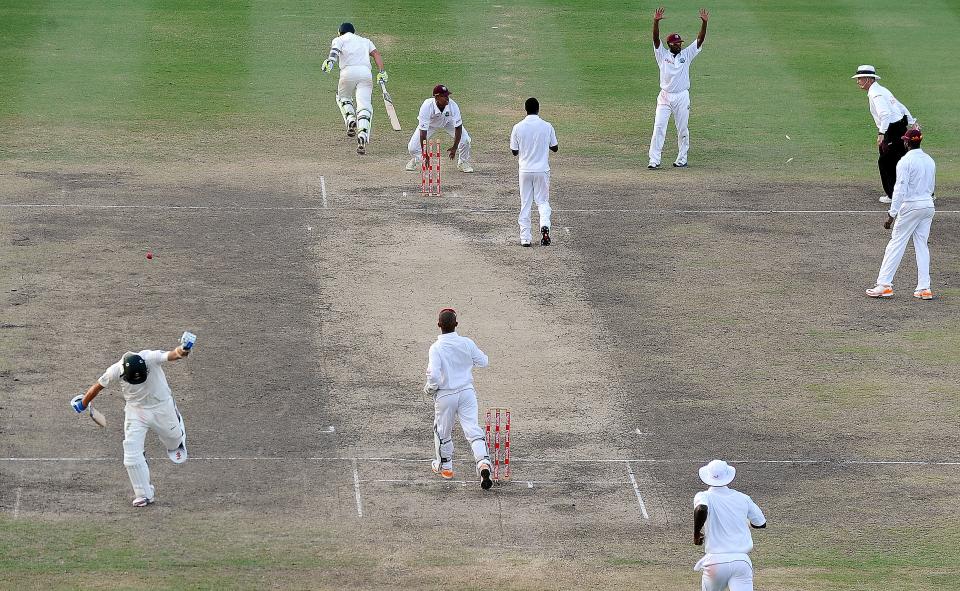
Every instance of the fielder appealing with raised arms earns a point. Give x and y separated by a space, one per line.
892 119
720 519
911 213
532 140
352 53
149 405
450 381
440 112
674 94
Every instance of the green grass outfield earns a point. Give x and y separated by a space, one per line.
167 80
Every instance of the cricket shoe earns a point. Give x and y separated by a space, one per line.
179 455
880 291
545 232
525 244
483 469
464 167
445 470
413 164
923 294
352 129
885 199
142 501
361 145
653 166
678 165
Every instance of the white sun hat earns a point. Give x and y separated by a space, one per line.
866 71
717 473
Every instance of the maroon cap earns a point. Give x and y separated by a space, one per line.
674 38
441 90
914 136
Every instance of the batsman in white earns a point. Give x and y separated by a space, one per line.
149 405
440 112
674 94
352 53
450 382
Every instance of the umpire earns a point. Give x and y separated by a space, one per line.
892 118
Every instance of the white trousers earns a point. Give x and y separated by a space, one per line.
463 151
166 422
912 222
735 576
356 81
447 408
534 187
677 103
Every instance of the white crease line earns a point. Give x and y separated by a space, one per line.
16 504
323 191
356 489
447 210
636 489
523 483
512 459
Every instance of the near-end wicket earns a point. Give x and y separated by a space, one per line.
494 445
430 168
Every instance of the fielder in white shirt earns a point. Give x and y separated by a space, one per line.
352 53
721 517
674 94
450 382
149 405
892 119
440 113
532 140
911 214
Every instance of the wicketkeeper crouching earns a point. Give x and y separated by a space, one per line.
149 405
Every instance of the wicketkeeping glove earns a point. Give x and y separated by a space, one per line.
382 77
327 65
77 403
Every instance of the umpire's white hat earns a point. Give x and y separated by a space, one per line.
866 71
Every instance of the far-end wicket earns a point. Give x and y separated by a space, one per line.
430 168
494 419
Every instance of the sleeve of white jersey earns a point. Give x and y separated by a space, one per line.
455 114
514 143
692 51
553 136
700 499
424 116
111 375
754 514
434 368
480 358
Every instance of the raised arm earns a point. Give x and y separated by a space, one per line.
704 15
657 16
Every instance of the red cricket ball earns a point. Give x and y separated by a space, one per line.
149 255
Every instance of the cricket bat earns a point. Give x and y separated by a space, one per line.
97 416
388 105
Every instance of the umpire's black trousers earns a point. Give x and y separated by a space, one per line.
891 151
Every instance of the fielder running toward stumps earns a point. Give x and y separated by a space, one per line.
532 140
352 53
149 405
450 382
440 113
721 517
674 94
911 214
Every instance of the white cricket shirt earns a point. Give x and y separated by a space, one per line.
452 359
533 137
354 50
675 69
727 534
916 179
154 390
885 108
431 117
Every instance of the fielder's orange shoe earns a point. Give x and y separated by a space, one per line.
923 294
445 470
880 291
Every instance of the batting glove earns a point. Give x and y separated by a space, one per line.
382 77
187 339
77 403
429 389
327 65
